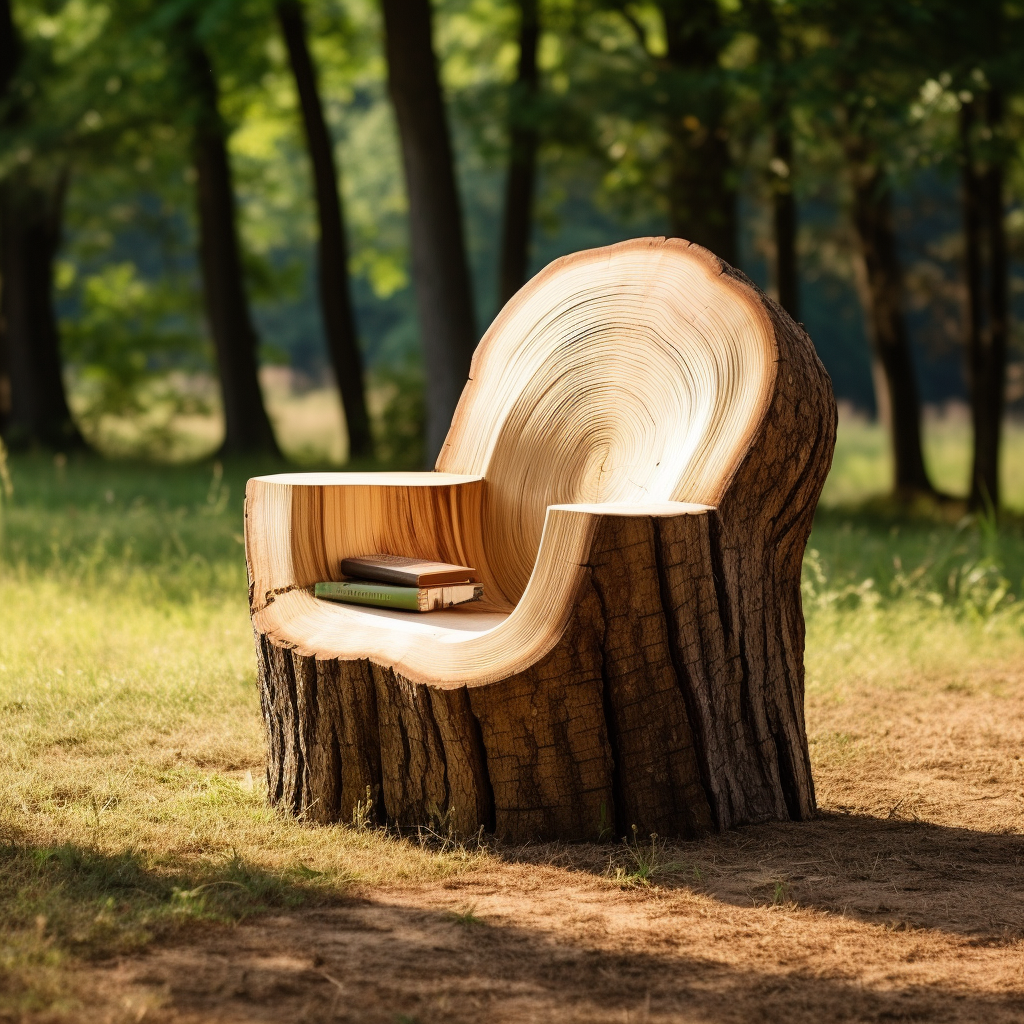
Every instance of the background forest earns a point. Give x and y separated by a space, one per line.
194 191
234 232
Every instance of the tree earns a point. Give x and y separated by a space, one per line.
983 50
702 190
440 271
33 404
976 56
860 84
686 85
246 425
332 248
522 161
987 276
777 89
871 213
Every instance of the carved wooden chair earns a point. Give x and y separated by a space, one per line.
633 468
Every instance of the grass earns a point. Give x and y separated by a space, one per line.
132 805
131 796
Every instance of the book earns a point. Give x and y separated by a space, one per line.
388 595
406 572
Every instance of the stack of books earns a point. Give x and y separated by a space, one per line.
409 584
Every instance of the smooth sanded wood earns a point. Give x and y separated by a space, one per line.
633 469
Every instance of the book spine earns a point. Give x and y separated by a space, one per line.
405 598
396 577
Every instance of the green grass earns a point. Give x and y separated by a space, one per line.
132 803
862 466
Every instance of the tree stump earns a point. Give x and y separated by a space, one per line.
633 467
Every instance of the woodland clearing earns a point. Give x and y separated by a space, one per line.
142 875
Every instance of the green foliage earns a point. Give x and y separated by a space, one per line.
128 335
400 425
102 95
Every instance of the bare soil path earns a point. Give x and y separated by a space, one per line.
903 901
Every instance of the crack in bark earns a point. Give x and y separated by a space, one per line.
683 681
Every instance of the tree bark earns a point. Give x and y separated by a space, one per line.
10 46
625 723
33 404
784 216
765 23
246 425
654 676
872 218
30 228
332 248
702 195
440 270
522 164
987 272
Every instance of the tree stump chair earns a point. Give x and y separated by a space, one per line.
633 469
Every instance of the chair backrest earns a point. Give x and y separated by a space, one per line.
633 373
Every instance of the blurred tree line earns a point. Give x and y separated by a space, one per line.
165 166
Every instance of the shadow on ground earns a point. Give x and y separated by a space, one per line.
845 918
883 871
391 962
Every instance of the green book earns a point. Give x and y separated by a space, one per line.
389 595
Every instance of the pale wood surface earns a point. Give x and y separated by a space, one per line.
633 469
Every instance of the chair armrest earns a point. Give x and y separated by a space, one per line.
299 526
565 551
543 613
486 648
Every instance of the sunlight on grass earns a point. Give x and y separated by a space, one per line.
132 800
862 465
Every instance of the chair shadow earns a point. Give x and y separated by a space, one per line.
892 872
379 961
376 959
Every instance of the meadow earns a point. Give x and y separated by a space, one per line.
142 874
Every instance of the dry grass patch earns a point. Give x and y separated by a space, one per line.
142 875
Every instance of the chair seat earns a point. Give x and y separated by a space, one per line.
297 617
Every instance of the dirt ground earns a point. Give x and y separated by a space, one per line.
903 901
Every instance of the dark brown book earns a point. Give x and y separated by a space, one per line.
408 572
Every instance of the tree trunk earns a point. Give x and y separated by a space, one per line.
10 46
440 271
702 195
650 673
246 425
765 23
522 164
335 294
784 215
872 218
33 404
986 264
10 58
30 228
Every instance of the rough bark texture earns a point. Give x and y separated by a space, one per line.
872 218
673 700
332 247
702 193
987 270
444 294
784 214
522 163
246 426
765 23
33 405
